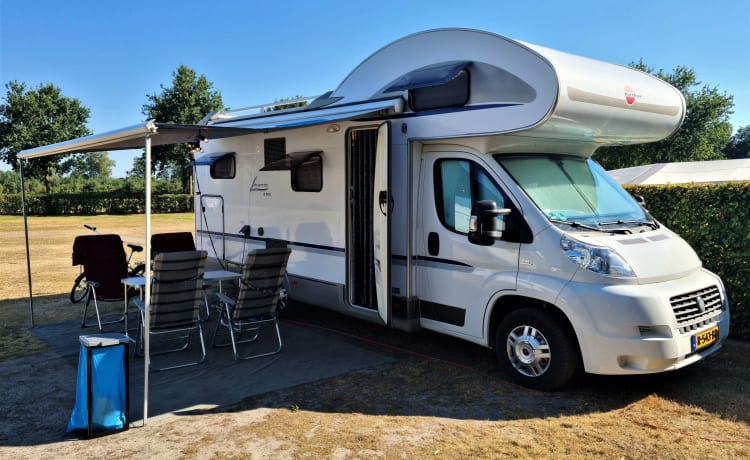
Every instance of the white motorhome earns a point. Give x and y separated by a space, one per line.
447 184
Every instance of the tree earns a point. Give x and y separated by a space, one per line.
187 101
285 103
739 144
95 165
702 135
34 117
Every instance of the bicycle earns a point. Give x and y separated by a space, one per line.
80 289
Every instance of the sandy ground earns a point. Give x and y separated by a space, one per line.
439 398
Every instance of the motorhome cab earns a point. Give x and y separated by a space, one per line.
447 184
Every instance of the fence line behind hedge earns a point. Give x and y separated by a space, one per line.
92 203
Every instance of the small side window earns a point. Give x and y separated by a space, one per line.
223 168
308 175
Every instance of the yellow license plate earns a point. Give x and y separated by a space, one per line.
705 338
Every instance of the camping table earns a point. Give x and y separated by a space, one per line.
219 275
137 282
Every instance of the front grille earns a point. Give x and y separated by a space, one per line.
696 309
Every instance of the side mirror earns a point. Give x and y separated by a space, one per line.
640 200
483 223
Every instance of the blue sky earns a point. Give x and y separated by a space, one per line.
110 55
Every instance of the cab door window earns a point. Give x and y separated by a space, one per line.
458 185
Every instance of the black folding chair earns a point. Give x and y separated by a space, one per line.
105 264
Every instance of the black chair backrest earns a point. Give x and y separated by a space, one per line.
104 262
262 279
176 290
171 242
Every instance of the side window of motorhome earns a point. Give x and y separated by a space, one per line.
308 176
223 168
458 185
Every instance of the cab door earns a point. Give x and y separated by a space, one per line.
455 279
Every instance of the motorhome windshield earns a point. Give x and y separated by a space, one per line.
575 191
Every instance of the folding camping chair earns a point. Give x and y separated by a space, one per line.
173 242
105 265
260 285
176 295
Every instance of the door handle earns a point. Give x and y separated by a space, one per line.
386 202
433 244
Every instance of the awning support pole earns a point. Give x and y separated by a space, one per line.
147 284
26 234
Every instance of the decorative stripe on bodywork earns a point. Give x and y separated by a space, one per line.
579 95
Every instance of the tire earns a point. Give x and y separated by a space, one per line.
80 289
535 349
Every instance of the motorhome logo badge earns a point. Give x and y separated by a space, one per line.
630 95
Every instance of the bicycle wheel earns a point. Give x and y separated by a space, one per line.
80 289
137 270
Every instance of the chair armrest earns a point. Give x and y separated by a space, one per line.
92 283
224 299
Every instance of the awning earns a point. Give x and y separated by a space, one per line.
318 116
433 75
290 161
133 137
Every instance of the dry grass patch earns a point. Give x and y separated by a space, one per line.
51 243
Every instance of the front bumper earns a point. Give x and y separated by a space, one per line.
637 329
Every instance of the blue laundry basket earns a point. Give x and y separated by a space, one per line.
102 391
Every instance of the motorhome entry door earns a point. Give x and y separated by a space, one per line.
368 220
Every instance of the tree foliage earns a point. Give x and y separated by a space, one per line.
702 135
95 165
739 144
286 103
34 117
187 101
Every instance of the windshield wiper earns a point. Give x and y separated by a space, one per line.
575 224
652 224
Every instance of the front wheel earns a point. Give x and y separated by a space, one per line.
138 270
535 349
80 289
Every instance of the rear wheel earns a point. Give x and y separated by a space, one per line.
535 349
80 289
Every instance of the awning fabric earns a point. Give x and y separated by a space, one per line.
133 137
290 161
433 75
316 117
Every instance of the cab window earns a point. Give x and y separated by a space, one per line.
458 185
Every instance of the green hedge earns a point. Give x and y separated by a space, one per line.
715 220
58 204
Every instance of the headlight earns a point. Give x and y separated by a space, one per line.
598 259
